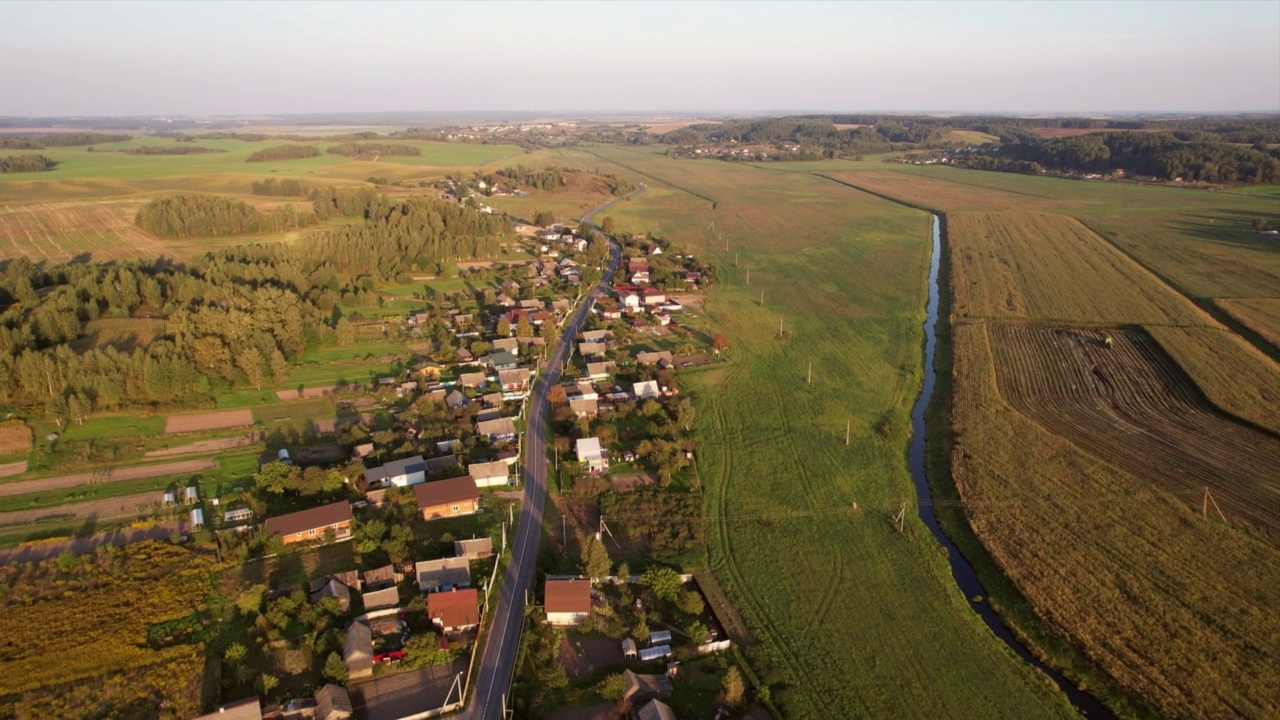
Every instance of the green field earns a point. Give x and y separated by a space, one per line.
853 619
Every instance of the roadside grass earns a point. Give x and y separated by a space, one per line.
853 618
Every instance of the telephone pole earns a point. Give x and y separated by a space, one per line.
810 380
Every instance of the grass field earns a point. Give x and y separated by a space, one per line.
854 619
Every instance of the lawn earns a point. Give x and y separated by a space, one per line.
854 619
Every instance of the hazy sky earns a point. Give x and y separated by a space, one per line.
114 58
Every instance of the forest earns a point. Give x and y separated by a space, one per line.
185 216
287 187
235 317
284 152
1161 155
25 163
369 149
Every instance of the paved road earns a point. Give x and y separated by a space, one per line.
498 655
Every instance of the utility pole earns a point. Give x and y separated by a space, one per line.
901 516
748 276
810 380
735 259
847 427
761 297
779 327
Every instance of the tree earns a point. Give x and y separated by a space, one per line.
596 562
344 333
720 343
543 218
734 688
334 668
607 224
250 363
504 327
663 582
611 688
685 413
276 477
423 650
524 329
267 683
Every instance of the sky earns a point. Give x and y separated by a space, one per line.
244 58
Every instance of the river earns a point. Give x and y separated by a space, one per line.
966 579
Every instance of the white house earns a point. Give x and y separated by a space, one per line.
592 455
646 389
400 473
489 474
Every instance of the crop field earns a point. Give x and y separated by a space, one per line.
1113 400
1178 609
65 231
207 421
1261 315
853 619
1050 267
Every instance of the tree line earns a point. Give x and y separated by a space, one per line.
186 216
170 150
287 187
359 149
284 152
25 163
38 142
1161 155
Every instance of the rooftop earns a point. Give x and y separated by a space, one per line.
568 596
443 492
313 519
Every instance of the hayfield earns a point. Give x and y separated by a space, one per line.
65 231
854 619
1178 609
1261 315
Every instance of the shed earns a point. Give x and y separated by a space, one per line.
379 599
655 710
333 703
333 588
380 577
357 652
489 474
641 687
443 574
473 549
168 499
191 495
629 648
197 519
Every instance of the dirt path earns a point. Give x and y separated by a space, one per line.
118 538
104 509
109 475
206 446
13 468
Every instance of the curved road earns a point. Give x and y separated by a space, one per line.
498 654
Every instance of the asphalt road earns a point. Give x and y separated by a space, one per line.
498 654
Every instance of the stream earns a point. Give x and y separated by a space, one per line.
961 570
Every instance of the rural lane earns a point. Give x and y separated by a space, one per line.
497 660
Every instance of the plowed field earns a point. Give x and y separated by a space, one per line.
65 231
1131 406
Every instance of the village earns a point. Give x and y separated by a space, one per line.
426 491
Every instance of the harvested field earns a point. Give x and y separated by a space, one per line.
1232 373
1261 315
1176 608
15 437
104 509
106 475
1035 266
1131 406
208 421
307 393
206 446
64 231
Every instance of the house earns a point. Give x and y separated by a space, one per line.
662 319
246 709
646 389
630 299
609 312
497 430
333 703
462 320
635 266
400 473
638 688
489 414
472 379
655 249
502 360
456 399
532 304
655 710
382 577
640 278
407 389
447 498
505 300
514 381
653 296
473 549
311 524
443 574
510 344
568 601
601 370
592 349
582 391
334 589
380 599
585 408
597 335
490 474
592 455
464 355
429 370
653 358
454 611
357 652
493 400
